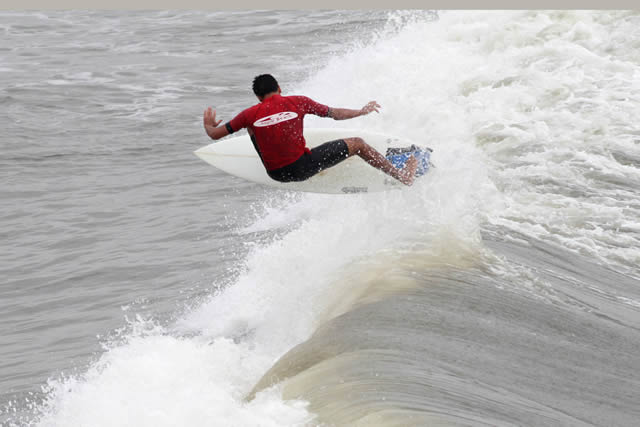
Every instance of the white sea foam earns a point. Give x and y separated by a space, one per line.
159 380
545 101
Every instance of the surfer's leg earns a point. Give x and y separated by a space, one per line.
320 158
358 147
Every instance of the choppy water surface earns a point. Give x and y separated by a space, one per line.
143 287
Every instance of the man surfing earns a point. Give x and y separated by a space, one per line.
275 126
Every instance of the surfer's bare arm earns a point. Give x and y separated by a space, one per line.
347 113
211 125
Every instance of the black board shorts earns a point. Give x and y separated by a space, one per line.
321 157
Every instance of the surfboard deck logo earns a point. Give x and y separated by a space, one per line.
275 118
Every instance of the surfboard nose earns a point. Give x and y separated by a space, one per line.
203 151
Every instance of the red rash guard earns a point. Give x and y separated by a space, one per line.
276 124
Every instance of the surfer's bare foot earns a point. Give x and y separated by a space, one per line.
408 172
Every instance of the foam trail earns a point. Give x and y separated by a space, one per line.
545 101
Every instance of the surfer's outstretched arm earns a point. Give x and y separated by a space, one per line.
347 113
211 125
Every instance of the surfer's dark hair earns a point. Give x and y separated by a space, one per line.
264 84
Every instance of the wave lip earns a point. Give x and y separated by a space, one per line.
473 346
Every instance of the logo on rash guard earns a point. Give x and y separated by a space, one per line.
275 118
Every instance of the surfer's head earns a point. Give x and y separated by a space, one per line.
264 84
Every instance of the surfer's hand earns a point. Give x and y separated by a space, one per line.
370 107
211 125
210 118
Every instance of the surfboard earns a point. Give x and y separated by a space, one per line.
238 157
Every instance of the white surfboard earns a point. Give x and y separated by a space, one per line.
238 157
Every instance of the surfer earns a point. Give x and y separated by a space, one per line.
275 126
